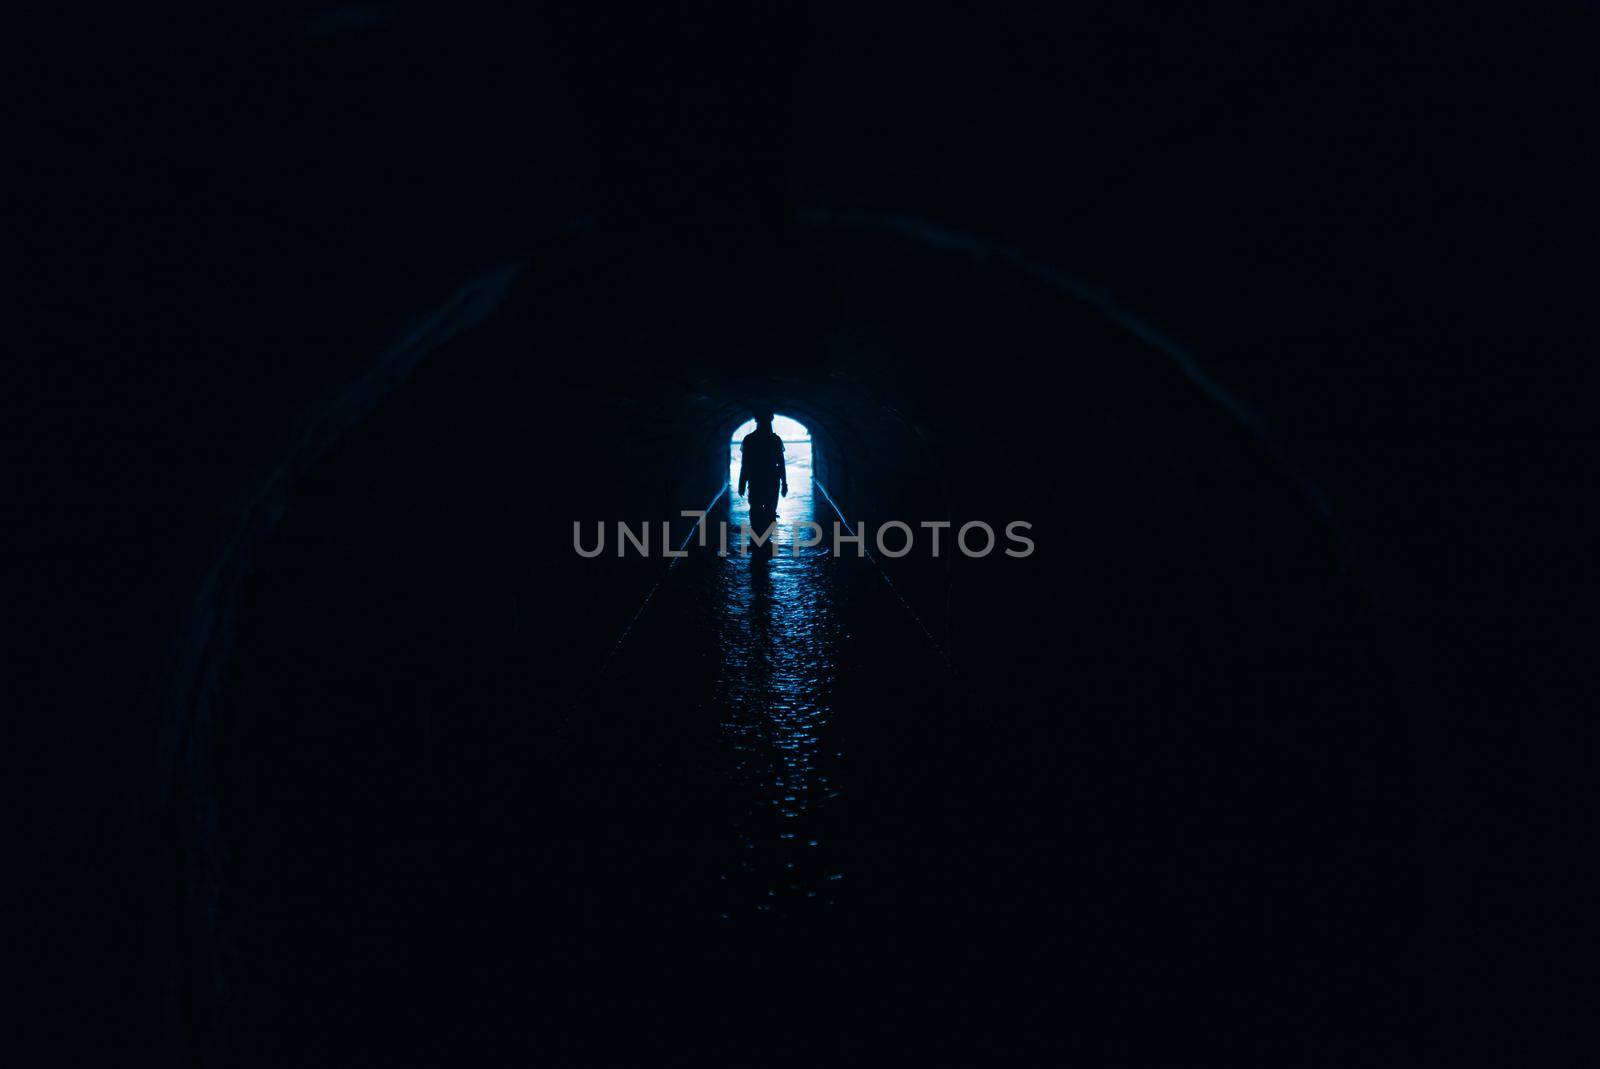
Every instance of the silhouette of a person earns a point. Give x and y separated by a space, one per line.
762 476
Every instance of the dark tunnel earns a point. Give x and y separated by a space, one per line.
442 734
360 321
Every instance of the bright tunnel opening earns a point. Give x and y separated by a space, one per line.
797 506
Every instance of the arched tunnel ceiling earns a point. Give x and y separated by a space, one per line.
872 379
913 308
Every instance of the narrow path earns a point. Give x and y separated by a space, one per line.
782 838
767 638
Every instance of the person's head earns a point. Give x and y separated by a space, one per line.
764 418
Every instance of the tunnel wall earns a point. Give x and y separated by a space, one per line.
177 775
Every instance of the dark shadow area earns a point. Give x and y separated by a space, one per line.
1259 320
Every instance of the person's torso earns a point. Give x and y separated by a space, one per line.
762 456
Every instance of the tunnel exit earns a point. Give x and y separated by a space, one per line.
797 506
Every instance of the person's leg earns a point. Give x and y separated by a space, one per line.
764 520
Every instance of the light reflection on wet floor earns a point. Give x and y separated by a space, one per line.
777 633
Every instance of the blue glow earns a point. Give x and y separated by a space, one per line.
790 430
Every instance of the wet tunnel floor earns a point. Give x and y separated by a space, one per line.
776 824
764 810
